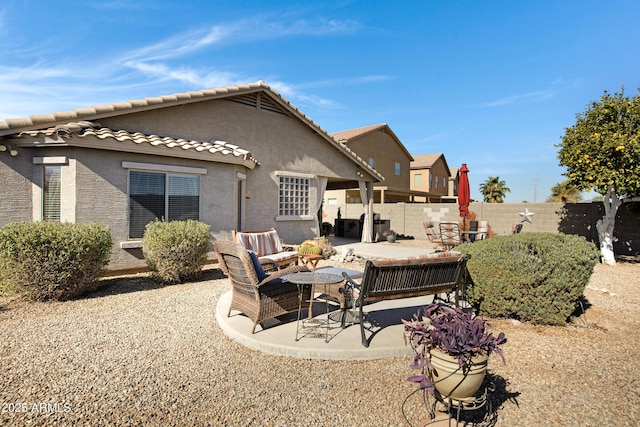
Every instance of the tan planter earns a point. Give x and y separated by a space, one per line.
453 381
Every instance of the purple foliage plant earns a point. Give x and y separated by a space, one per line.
454 331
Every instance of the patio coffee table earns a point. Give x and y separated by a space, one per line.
312 326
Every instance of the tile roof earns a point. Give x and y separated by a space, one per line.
349 135
425 160
118 108
346 135
36 122
72 134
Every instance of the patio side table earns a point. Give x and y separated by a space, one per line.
312 326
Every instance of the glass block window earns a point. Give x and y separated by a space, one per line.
293 196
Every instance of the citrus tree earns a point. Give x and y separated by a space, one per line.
493 190
601 152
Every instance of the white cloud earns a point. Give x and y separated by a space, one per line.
54 85
524 98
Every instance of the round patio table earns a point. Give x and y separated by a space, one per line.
312 326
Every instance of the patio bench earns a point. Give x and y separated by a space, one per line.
387 279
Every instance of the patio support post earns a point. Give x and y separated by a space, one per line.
366 194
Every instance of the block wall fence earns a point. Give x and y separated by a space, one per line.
571 218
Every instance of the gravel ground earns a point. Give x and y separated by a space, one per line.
138 354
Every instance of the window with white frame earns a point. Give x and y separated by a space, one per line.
51 192
294 196
436 186
161 195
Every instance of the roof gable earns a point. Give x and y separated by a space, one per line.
349 135
426 161
257 94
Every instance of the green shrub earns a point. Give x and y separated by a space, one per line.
52 260
535 277
175 251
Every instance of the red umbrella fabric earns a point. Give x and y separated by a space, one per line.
464 196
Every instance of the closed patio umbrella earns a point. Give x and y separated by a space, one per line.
464 196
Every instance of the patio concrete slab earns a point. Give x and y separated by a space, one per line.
277 336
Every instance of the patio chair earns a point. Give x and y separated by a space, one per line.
470 236
432 234
267 246
483 230
450 234
256 293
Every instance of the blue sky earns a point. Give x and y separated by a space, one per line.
489 83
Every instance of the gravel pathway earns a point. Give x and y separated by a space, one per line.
142 355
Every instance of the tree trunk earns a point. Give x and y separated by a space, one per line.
606 224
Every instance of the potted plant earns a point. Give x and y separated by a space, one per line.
451 348
390 235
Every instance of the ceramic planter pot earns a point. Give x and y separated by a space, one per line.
455 382
391 238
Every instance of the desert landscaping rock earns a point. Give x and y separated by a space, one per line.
139 354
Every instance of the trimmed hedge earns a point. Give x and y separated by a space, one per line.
534 277
52 260
175 251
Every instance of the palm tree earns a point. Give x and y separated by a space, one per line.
564 192
493 190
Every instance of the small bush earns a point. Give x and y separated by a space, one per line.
175 251
52 260
535 277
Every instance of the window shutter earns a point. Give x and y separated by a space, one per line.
147 200
51 193
184 198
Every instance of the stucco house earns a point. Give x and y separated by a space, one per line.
239 157
431 175
379 146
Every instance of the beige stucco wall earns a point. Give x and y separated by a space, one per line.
16 178
94 181
279 142
386 152
438 169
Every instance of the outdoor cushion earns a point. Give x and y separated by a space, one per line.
282 256
258 266
262 243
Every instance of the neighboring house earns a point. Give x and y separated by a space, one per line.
381 149
239 157
452 193
431 175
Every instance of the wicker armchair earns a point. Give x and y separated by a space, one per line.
257 294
